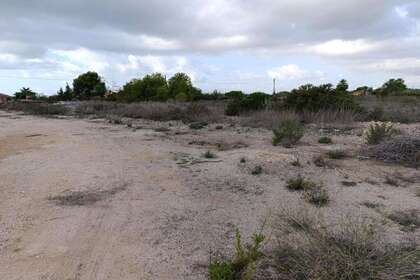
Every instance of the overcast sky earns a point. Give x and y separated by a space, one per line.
236 44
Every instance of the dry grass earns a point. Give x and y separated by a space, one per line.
157 111
403 109
271 118
310 248
329 117
37 108
409 220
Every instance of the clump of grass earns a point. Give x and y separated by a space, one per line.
319 161
348 250
391 181
288 133
408 219
296 163
243 265
372 205
325 140
257 170
348 183
242 160
337 154
299 184
379 131
209 154
317 196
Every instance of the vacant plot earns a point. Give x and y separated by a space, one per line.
143 199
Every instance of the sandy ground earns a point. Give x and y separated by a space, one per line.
161 207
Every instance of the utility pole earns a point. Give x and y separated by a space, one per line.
274 85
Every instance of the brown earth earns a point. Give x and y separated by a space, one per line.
84 199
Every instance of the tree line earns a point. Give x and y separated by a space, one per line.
179 87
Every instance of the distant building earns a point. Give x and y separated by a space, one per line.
4 98
360 92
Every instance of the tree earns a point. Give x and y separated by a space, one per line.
26 93
131 91
88 85
180 85
342 86
65 95
154 87
393 86
234 94
151 87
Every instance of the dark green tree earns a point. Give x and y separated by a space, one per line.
154 87
65 95
393 86
88 85
342 86
26 93
180 87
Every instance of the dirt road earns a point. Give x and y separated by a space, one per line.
84 200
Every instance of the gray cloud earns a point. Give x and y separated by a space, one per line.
366 31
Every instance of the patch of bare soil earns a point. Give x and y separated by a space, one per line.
178 205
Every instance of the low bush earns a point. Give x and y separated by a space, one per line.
257 170
337 154
288 133
243 265
209 154
408 219
317 98
379 131
317 196
243 103
299 184
325 140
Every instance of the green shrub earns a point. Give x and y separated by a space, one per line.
243 264
379 131
209 154
337 154
288 133
299 184
316 98
233 108
325 140
243 103
257 170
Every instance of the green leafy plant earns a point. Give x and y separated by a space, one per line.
379 131
257 170
209 154
288 133
299 184
325 140
242 266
